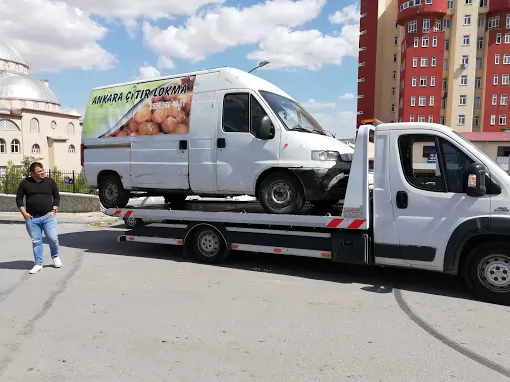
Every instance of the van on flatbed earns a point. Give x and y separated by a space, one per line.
214 132
447 212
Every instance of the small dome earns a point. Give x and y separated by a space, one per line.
26 88
8 53
72 111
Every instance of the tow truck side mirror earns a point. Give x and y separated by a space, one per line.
476 180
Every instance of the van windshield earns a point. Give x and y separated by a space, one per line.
292 114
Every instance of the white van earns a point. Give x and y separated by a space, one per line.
215 132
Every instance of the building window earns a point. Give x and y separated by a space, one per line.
413 101
393 107
394 58
441 120
15 146
508 21
447 23
463 80
505 79
434 41
36 149
495 79
395 41
416 42
502 120
415 62
450 4
421 118
431 118
393 91
444 83
478 82
507 38
479 43
506 59
493 22
446 44
71 149
477 102
412 27
413 82
494 99
431 101
483 3
461 120
53 125
493 119
481 21
433 61
423 81
462 100
479 63
496 59
394 74
432 81
426 25
467 19
425 42
424 62
498 38
465 40
422 101
401 103
411 118
3 146
445 64
34 125
469 2
443 103
465 59
437 26
70 128
504 99
476 121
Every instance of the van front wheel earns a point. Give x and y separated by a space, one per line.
281 193
111 192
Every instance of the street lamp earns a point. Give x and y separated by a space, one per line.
260 65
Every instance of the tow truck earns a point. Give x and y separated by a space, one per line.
447 212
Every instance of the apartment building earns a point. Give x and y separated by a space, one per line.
445 61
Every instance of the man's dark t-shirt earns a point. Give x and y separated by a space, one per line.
40 196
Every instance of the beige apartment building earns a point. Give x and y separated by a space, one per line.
443 61
31 120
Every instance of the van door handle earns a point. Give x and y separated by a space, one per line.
220 142
402 199
183 145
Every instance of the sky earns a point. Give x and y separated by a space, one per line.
312 45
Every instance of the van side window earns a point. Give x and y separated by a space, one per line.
418 157
456 165
257 113
236 113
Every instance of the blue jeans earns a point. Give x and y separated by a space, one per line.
35 227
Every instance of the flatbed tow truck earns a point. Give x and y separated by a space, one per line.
449 216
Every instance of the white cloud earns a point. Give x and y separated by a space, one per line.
270 25
349 14
52 36
313 104
148 72
347 96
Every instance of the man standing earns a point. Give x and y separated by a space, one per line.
42 202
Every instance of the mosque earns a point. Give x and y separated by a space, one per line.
32 122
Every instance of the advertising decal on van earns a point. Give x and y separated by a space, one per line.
148 108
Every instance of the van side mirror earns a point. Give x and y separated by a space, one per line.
265 129
476 180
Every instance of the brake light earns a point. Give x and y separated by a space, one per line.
82 154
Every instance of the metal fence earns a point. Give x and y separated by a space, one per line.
67 181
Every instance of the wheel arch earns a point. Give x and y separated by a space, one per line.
104 173
192 227
468 235
268 171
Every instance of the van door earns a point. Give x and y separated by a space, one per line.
428 183
240 155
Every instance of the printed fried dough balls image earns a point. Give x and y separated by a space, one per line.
159 115
169 124
171 85
148 128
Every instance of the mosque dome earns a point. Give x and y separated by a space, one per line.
23 87
72 111
8 53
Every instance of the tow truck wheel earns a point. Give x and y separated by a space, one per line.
111 192
487 272
132 223
281 193
208 245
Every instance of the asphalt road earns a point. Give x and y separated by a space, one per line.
129 312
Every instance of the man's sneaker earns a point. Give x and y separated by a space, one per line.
36 268
57 262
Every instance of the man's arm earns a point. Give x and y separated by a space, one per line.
20 194
56 195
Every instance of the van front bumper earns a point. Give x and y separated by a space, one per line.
328 184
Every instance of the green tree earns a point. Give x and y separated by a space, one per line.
27 161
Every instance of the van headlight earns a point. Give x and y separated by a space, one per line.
325 155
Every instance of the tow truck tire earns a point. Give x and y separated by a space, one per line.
281 193
487 272
133 223
208 245
112 193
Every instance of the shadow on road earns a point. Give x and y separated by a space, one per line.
380 279
17 265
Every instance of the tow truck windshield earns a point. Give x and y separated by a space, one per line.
293 115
